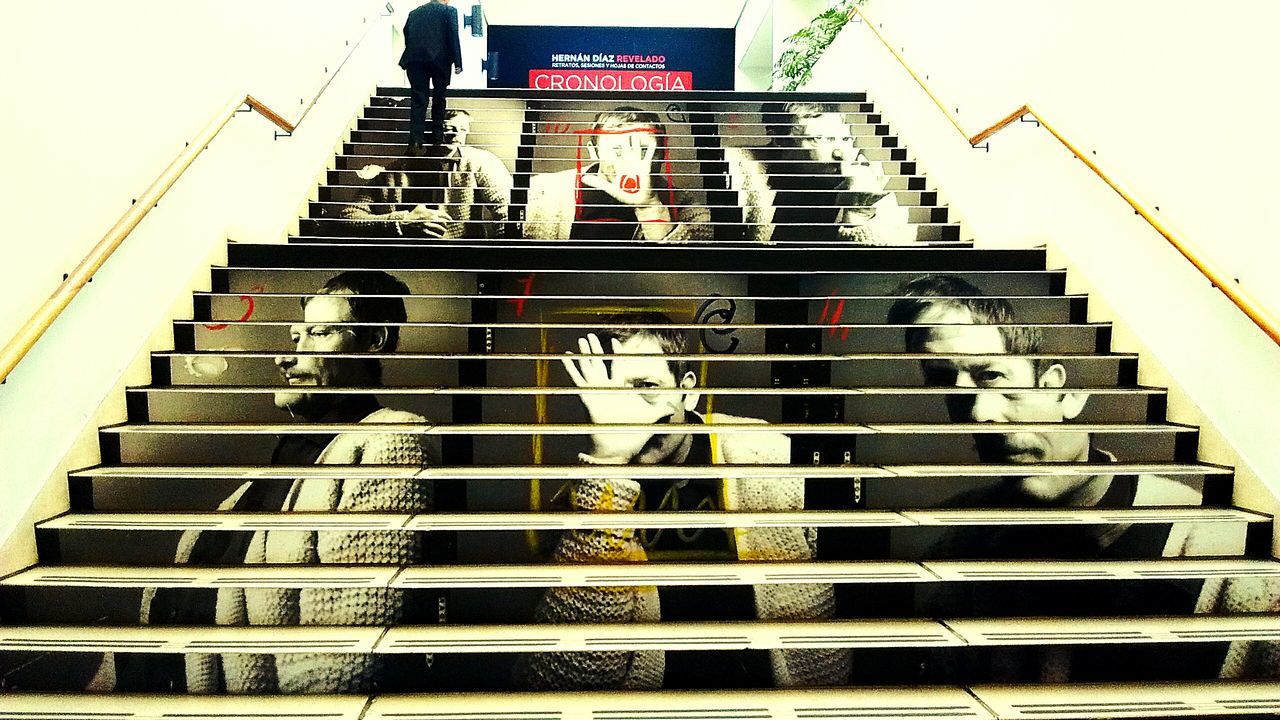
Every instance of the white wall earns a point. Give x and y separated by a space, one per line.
753 46
100 97
1174 96
1162 94
125 84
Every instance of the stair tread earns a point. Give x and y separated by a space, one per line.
297 428
575 391
740 357
89 706
1148 699
666 635
524 472
640 573
478 521
987 702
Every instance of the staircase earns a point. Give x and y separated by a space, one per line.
405 466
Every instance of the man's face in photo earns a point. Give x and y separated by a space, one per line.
640 364
318 334
994 372
457 129
625 150
827 138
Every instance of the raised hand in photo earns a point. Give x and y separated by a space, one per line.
591 370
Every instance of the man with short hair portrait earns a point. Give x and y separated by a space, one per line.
637 352
375 300
811 181
979 346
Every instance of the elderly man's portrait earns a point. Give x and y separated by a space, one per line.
618 174
799 172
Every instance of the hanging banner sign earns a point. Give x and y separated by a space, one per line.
611 59
609 80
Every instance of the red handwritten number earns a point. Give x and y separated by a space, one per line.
526 291
832 317
250 307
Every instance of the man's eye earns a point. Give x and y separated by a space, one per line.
990 376
940 376
319 333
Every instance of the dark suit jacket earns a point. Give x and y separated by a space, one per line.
431 37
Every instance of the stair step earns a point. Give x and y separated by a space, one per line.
606 282
1080 630
530 336
808 704
348 173
682 574
214 403
186 390
228 367
489 521
980 702
641 472
1129 700
514 638
633 257
667 636
121 706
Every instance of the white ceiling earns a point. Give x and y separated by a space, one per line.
611 13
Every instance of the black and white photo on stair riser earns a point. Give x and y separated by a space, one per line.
804 171
374 300
927 302
605 171
461 189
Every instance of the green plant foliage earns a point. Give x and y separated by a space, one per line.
794 68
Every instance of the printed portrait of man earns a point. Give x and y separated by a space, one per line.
619 190
474 184
810 181
978 350
639 353
374 299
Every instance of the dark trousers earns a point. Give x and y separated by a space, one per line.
424 80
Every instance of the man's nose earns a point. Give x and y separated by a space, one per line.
987 407
284 362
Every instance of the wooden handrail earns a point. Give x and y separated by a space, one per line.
1250 307
30 333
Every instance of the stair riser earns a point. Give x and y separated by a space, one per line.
615 283
515 309
431 194
712 339
186 369
635 257
164 447
335 212
345 174
130 547
259 407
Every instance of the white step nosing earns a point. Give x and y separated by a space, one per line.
638 574
484 521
